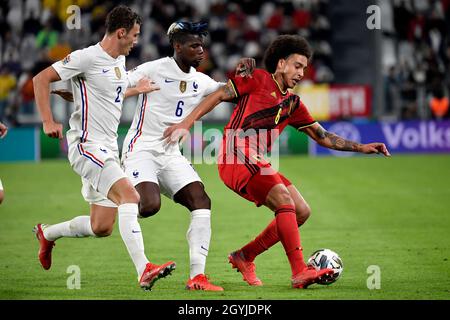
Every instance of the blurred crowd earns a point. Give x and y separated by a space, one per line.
419 71
34 34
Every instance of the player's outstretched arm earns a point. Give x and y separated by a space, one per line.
179 131
41 85
144 85
333 141
3 130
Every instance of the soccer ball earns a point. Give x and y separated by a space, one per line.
326 258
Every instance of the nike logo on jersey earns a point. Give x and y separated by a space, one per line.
105 70
103 150
168 81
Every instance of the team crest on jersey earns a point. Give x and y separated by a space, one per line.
118 74
66 60
183 86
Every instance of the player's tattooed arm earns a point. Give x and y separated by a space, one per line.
228 92
336 142
333 141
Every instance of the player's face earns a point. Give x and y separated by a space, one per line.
130 39
293 69
191 52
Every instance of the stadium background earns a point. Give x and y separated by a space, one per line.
366 83
395 73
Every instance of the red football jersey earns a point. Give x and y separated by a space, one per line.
261 114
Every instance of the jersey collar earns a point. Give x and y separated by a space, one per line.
278 85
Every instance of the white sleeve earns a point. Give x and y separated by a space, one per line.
143 70
73 64
212 85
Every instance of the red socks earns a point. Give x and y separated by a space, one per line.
262 242
284 227
290 237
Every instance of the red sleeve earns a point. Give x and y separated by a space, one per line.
245 85
301 117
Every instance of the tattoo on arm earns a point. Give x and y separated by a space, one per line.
336 142
229 92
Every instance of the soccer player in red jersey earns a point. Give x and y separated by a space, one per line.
264 108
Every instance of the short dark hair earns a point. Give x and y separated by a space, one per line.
121 17
180 31
282 47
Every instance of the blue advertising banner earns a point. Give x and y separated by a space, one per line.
399 137
20 144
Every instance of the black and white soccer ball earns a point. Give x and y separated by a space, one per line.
326 258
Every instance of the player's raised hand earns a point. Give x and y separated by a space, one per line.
376 147
3 130
176 133
146 85
245 67
63 93
53 129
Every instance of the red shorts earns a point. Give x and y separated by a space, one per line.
253 187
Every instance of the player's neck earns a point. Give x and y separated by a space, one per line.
184 67
110 46
278 78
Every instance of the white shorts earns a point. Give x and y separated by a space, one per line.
1 186
170 172
99 168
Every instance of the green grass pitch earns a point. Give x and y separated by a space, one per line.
392 213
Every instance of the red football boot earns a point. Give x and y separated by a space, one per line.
247 268
153 272
201 282
45 246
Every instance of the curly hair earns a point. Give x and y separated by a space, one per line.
121 17
282 47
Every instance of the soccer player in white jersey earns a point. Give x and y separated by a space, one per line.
155 167
99 81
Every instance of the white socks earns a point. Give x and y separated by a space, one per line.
198 237
131 234
78 227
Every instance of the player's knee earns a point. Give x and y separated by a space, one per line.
135 198
283 197
199 201
194 199
149 209
102 230
2 195
303 213
130 196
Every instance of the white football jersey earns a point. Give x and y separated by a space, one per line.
98 84
179 94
